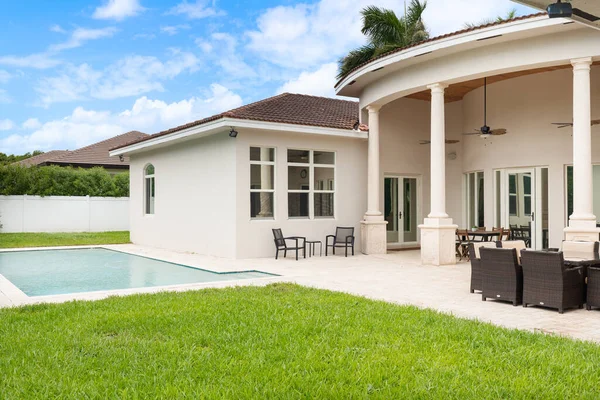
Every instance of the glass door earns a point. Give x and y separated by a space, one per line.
401 209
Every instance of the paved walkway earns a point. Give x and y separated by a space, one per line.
396 277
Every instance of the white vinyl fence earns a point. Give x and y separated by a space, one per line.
63 214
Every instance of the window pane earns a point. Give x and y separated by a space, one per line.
569 191
498 199
298 156
324 157
512 184
262 176
149 195
262 154
298 204
526 184
480 200
527 205
150 170
324 179
298 178
512 205
323 204
261 205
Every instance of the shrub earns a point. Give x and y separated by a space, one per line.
61 181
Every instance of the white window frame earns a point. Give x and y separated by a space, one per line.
477 198
273 163
310 166
147 178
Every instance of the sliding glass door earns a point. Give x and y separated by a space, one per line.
401 209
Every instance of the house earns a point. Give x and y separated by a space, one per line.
305 164
94 155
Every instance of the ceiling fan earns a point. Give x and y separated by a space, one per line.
565 124
448 141
485 131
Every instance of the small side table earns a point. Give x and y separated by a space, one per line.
311 244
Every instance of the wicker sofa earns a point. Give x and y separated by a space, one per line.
501 275
474 248
549 283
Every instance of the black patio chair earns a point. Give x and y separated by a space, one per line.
344 237
501 275
281 244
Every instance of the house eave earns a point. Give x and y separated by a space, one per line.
224 124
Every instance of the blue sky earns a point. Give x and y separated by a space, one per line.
73 72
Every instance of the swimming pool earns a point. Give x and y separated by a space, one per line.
49 272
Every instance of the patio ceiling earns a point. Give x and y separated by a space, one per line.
457 91
584 11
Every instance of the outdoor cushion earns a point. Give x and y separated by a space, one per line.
477 246
515 244
584 250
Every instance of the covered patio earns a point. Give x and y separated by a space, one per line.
532 177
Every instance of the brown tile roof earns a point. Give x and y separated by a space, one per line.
42 158
444 36
97 154
286 108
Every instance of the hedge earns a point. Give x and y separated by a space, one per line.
61 181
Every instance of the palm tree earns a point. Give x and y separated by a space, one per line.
509 15
385 32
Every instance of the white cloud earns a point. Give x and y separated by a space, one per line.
31 123
4 76
82 35
317 83
199 9
84 127
37 61
57 28
118 9
222 49
131 76
174 29
6 124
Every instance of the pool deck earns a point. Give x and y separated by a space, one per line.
396 277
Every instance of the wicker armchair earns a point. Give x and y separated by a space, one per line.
281 244
593 288
476 263
518 245
501 275
344 237
548 282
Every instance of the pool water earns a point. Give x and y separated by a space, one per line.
48 272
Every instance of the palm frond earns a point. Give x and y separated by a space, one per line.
382 26
355 58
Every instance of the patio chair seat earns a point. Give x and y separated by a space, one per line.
344 237
281 244
476 264
502 276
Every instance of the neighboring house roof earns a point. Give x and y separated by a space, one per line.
97 153
42 158
441 37
90 156
286 108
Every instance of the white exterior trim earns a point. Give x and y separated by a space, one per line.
219 125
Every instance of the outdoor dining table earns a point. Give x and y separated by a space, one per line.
484 236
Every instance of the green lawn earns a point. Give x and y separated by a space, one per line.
282 341
15 240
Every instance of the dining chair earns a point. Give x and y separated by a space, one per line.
462 243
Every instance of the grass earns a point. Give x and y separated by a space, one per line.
282 341
19 240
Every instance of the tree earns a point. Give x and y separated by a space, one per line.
511 14
385 32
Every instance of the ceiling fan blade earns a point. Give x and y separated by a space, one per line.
498 132
471 133
448 141
595 122
425 142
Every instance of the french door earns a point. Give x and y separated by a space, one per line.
402 209
522 204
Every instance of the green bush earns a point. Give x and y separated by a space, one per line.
61 181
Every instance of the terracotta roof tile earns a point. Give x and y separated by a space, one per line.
286 108
42 158
97 153
444 36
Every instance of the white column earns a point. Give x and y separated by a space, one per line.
373 172
438 230
438 152
373 232
582 223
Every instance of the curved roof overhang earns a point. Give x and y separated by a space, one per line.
535 43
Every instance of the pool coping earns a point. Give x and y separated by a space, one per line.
11 295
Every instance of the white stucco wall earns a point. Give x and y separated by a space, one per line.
195 206
526 106
254 237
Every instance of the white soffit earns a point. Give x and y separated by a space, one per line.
584 11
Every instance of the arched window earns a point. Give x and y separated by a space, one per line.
149 189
